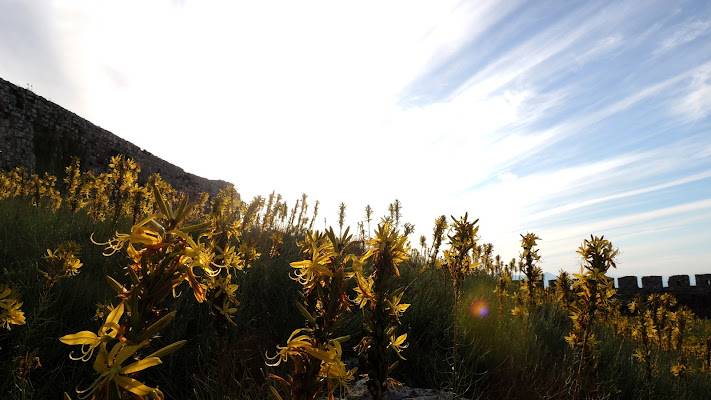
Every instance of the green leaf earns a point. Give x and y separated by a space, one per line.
133 276
164 208
179 214
117 287
171 348
196 227
305 313
158 325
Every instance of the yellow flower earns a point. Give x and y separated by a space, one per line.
113 374
679 369
364 289
398 344
199 290
139 234
396 308
90 340
332 367
572 339
308 270
71 266
10 313
248 251
63 260
388 240
641 356
295 345
197 254
225 300
330 354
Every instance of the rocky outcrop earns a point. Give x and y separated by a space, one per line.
42 137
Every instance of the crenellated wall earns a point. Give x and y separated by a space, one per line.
653 284
697 297
42 137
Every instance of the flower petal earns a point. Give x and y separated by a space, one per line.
133 386
83 337
141 365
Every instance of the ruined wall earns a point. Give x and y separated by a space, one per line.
696 297
42 137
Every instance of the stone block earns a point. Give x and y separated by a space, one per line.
627 284
652 283
703 281
679 282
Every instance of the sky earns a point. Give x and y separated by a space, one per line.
562 118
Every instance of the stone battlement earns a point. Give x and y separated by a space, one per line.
697 297
42 137
654 284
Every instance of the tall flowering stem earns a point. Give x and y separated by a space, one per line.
458 263
380 299
594 291
164 254
314 350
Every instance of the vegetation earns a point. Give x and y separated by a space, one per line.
156 297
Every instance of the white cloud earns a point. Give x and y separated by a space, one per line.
534 55
629 221
704 152
541 140
696 103
685 33
646 239
617 196
601 47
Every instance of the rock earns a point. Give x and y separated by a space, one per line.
360 392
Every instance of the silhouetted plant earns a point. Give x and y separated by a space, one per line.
458 263
301 221
380 300
75 186
291 227
564 290
314 350
439 230
395 209
97 198
313 218
266 221
341 216
594 289
123 174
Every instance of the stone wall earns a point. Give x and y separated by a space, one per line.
696 297
42 137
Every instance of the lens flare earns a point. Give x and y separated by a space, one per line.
479 309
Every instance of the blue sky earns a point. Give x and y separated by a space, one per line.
563 118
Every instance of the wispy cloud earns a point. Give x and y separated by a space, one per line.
601 47
684 33
629 222
543 47
695 104
647 239
617 196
